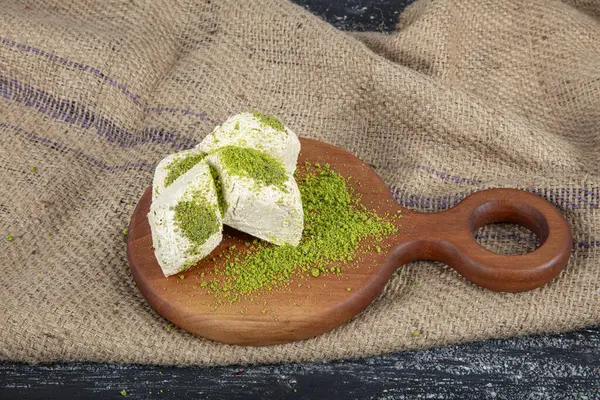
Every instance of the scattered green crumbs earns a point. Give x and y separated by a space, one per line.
269 120
334 223
123 393
10 238
182 165
33 170
196 218
246 162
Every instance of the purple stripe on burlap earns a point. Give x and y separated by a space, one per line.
51 57
455 198
586 245
574 198
136 98
184 111
73 113
446 176
426 203
562 198
54 145
577 245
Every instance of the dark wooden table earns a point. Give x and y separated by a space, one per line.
565 366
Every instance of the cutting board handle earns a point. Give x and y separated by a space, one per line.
448 236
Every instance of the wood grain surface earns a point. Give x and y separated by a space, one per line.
310 307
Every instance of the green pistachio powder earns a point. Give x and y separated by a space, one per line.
334 222
263 169
196 218
269 120
182 165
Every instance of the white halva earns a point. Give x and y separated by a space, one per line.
173 250
271 213
249 131
163 168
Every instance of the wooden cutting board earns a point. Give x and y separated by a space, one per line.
310 307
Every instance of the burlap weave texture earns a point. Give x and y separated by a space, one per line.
463 96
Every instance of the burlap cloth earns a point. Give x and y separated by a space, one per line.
463 96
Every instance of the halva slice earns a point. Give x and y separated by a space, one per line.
172 167
261 197
185 220
257 131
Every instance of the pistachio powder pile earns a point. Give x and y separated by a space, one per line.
196 218
182 165
257 131
335 224
269 120
263 169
